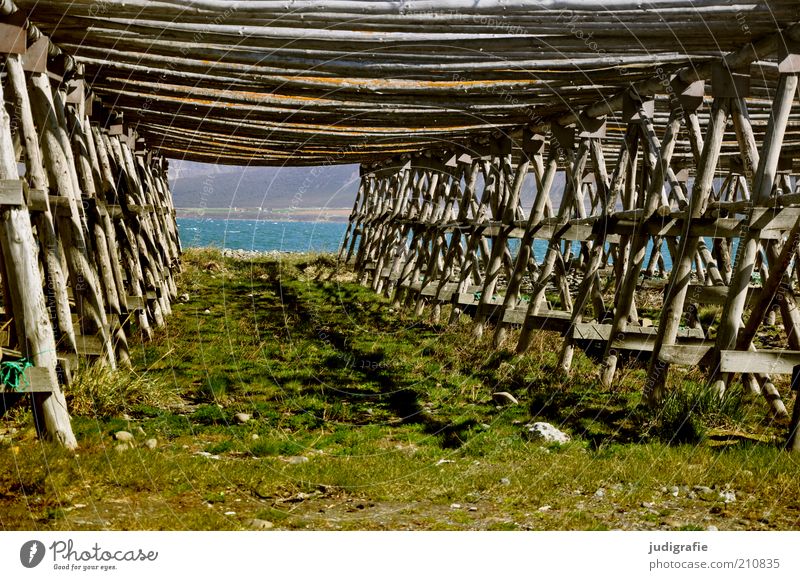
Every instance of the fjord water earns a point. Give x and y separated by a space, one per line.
292 236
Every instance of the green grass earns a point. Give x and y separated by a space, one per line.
395 420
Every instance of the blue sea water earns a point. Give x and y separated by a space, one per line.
261 235
286 236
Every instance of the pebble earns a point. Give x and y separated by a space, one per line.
546 432
242 417
297 459
600 493
505 481
230 513
206 311
184 297
206 454
151 443
727 496
712 529
123 436
258 524
254 436
545 508
472 508
504 398
455 506
674 491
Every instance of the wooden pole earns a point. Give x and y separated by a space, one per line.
27 298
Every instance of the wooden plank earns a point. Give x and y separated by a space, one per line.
779 362
115 211
11 192
135 303
89 345
556 320
35 58
36 380
595 331
686 355
13 37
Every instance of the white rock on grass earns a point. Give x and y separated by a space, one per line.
258 524
123 436
151 443
242 417
546 432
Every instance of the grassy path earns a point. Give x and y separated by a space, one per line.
362 418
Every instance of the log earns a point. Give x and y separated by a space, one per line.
27 298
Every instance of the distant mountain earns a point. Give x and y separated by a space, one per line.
200 185
217 186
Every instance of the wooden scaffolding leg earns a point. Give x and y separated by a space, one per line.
27 298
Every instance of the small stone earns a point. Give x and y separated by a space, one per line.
485 426
206 311
444 461
472 508
712 529
242 417
258 524
123 436
505 481
122 448
727 496
600 493
297 459
184 297
546 432
230 513
504 398
545 508
254 436
151 443
674 491
455 506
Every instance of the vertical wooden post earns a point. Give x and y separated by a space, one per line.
58 155
679 280
27 297
43 220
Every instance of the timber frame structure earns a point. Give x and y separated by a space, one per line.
87 228
520 160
